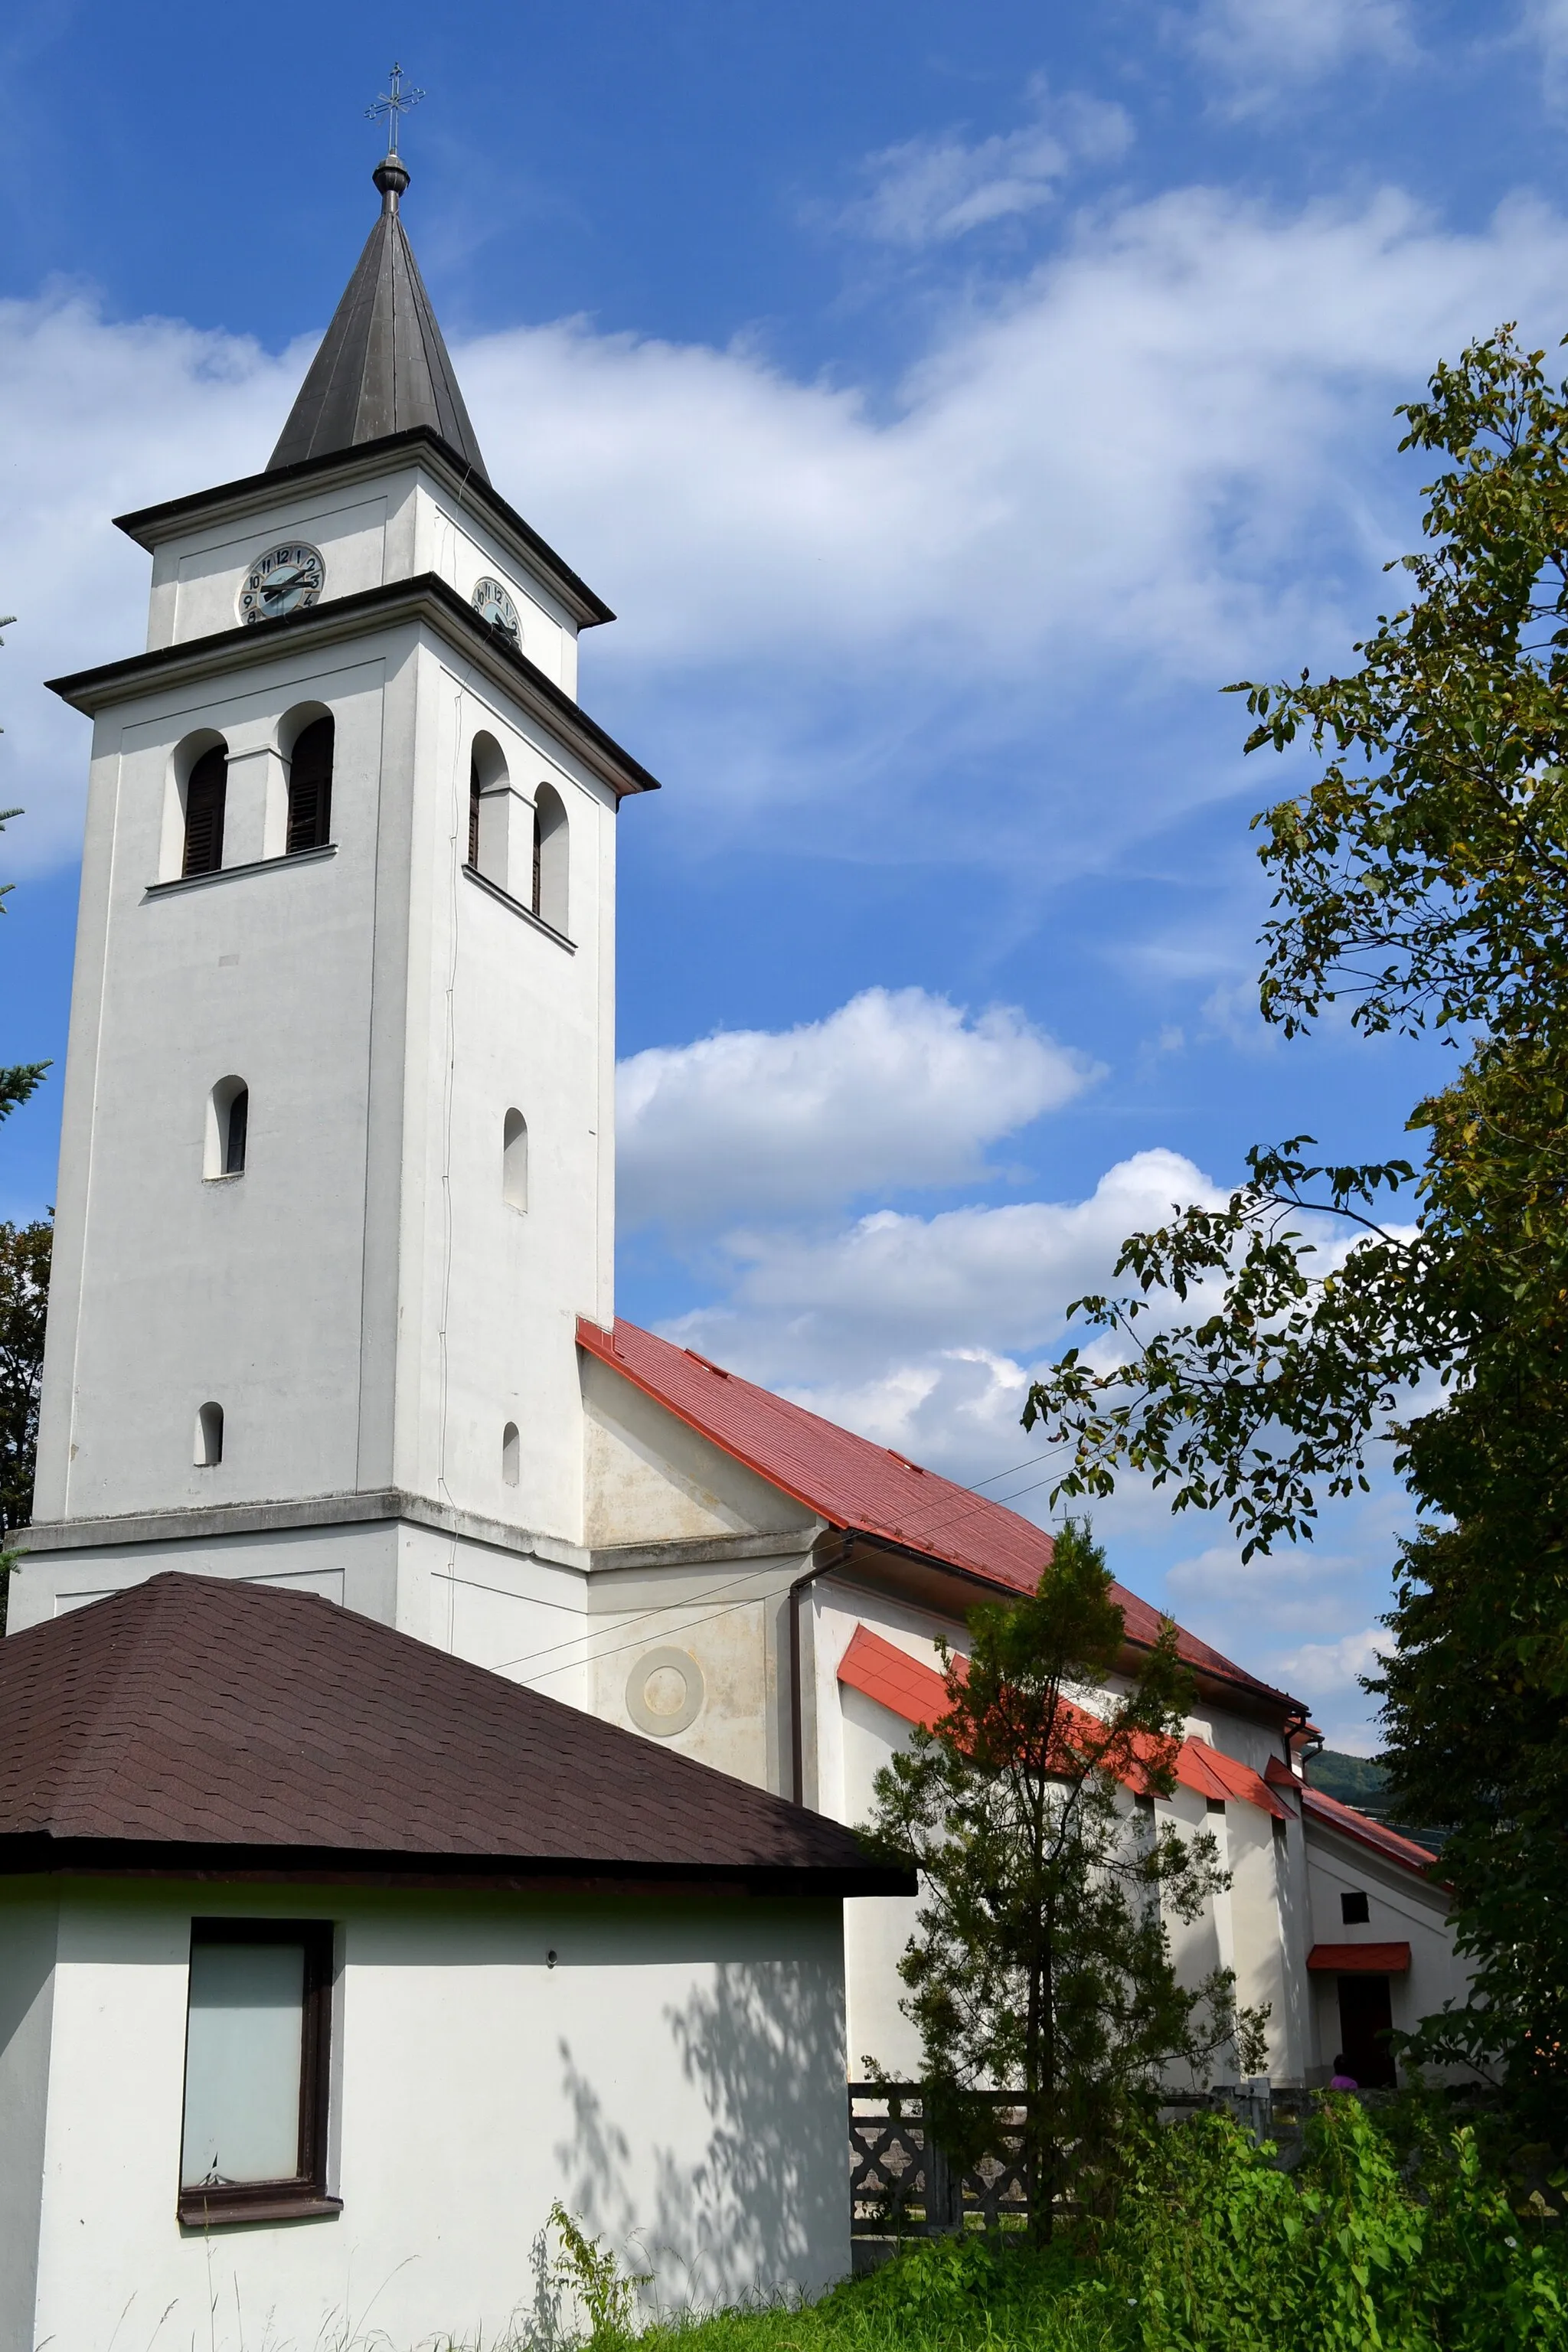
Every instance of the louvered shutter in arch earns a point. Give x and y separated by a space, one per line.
311 788
205 796
474 814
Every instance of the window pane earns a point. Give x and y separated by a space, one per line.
243 2045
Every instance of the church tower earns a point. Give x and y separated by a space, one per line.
337 1165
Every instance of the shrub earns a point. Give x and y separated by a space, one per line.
1215 2250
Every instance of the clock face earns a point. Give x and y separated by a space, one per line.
285 580
492 604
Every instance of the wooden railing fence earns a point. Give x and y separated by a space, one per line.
901 2184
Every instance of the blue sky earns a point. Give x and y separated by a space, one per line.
950 400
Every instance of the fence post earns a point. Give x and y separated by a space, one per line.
943 2191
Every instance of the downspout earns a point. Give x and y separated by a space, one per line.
796 1712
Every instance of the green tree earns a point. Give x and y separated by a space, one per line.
1264 1348
1040 1960
24 1297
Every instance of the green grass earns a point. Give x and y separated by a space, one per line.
943 2296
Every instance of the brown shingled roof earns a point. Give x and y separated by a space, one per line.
192 1721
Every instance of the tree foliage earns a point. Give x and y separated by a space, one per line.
19 1079
1040 1960
1263 1349
24 1297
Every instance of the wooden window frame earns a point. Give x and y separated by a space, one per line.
305 2197
296 842
214 784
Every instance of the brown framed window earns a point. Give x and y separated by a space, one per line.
205 796
474 814
258 2034
311 788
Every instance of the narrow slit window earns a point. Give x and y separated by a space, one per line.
311 788
474 814
208 1449
204 796
235 1128
257 2027
228 1129
514 1160
509 1455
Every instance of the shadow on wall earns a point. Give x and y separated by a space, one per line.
765 2206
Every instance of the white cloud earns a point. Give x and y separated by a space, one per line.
100 418
1545 23
812 1312
897 1089
1109 466
1113 455
1335 1668
1265 49
1230 1012
931 190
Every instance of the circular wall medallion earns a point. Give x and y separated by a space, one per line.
664 1692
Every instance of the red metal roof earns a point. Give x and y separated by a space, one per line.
895 1680
856 1485
902 1684
1360 1959
1318 1805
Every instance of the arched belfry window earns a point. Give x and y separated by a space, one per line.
490 811
207 1451
510 1454
550 849
205 791
311 788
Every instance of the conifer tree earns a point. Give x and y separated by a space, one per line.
1040 1962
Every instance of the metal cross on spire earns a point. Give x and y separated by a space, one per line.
392 103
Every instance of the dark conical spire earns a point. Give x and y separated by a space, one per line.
383 367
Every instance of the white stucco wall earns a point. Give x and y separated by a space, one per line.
676 2080
1402 1907
28 1929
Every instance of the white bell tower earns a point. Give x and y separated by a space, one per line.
337 1165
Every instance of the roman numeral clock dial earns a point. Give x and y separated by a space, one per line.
285 580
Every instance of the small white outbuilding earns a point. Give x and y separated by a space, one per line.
328 1962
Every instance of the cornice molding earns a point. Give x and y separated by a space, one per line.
426 598
148 526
